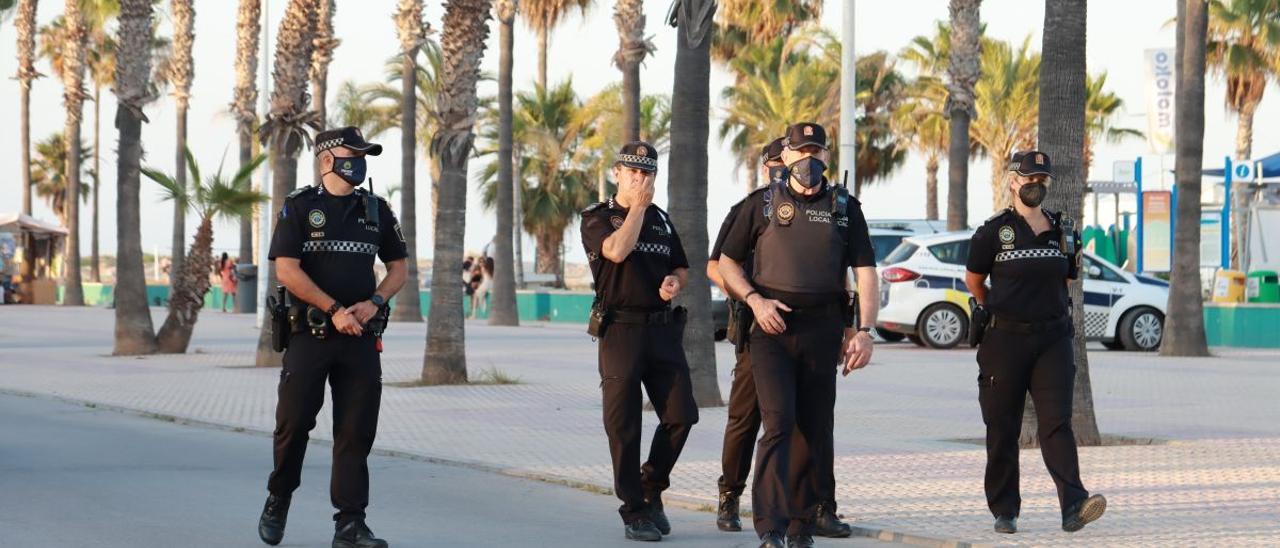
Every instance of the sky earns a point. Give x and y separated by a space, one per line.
582 49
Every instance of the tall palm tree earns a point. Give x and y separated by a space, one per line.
687 185
325 43
544 15
1007 102
73 99
1184 322
244 105
632 49
212 198
1062 101
880 89
285 129
133 88
503 310
742 23
600 121
963 70
364 107
411 30
181 74
25 24
49 176
1102 107
920 123
462 45
1244 49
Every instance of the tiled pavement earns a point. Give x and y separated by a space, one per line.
1215 482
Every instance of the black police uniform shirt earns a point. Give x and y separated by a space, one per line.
335 242
634 282
740 242
1028 271
724 233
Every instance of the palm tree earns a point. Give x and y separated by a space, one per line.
920 123
73 99
1244 49
412 33
1063 127
244 103
880 91
286 124
600 121
1100 111
743 23
363 106
181 74
687 185
134 333
963 70
544 15
1184 322
504 311
49 176
215 197
1007 102
26 29
325 43
632 49
462 45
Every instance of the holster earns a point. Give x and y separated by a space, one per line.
741 320
599 320
280 329
979 318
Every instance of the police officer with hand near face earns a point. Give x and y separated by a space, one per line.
639 266
802 234
1031 256
325 241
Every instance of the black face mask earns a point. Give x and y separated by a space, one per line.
777 174
352 170
1032 194
807 171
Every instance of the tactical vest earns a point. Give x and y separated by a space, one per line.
803 246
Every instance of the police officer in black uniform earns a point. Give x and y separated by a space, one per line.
325 240
639 266
1031 256
802 235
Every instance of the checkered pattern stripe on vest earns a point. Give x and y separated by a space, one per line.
339 246
1039 253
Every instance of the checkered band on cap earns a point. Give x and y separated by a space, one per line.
339 246
633 159
326 145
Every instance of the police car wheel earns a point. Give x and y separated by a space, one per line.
942 326
1142 329
889 336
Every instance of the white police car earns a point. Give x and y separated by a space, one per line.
923 297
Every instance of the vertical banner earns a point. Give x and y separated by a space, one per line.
1158 69
1156 214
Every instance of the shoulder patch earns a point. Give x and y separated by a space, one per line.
298 191
593 207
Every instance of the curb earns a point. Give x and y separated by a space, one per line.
865 530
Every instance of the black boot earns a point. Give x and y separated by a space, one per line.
772 539
1007 525
355 534
656 513
827 523
1085 511
274 515
800 541
727 515
643 529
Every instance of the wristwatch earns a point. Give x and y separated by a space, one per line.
864 329
377 300
333 308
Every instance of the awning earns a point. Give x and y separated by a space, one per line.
1270 167
31 224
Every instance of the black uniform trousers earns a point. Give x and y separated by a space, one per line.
795 378
354 372
632 355
741 429
1011 363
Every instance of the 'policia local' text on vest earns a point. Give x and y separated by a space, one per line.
803 246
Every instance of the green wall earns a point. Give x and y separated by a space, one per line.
1242 324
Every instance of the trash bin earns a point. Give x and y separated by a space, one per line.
1228 286
1263 286
247 292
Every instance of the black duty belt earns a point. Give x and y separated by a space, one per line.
822 311
643 317
1005 323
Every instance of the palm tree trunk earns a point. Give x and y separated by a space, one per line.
25 25
542 54
503 311
73 65
629 17
95 267
246 222
931 188
190 285
962 74
687 187
408 307
243 105
134 333
1241 194
284 172
958 173
548 257
179 212
1062 120
1184 321
1001 197
517 223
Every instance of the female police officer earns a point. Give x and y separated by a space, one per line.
1031 255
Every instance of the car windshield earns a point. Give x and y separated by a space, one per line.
884 243
901 253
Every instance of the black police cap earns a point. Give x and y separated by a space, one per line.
639 155
772 151
349 137
806 134
1030 162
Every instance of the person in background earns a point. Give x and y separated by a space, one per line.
227 273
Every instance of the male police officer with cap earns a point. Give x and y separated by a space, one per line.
325 239
639 266
802 234
1031 256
